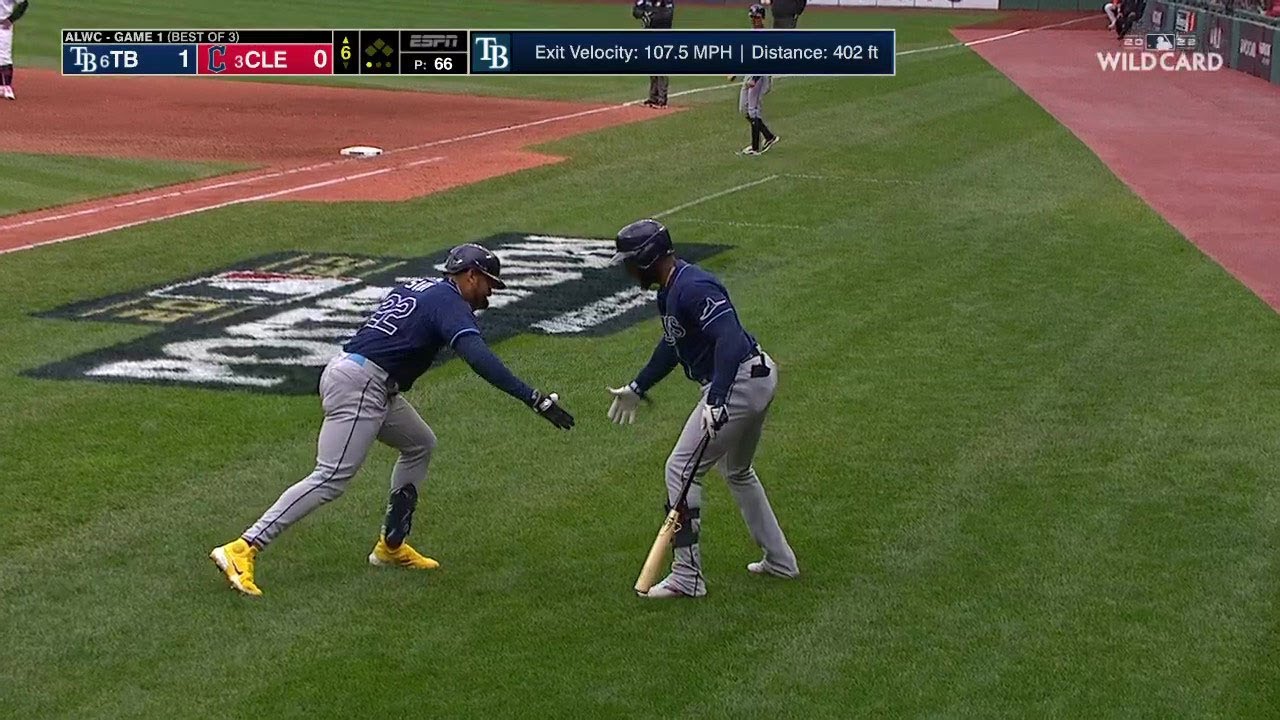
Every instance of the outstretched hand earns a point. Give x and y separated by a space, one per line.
548 406
623 408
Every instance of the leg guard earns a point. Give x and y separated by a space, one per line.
687 532
400 515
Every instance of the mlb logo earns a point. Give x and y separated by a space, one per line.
1186 42
253 287
490 53
1161 41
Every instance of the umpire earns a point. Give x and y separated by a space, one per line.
787 12
658 15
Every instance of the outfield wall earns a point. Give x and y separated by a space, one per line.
1248 43
933 4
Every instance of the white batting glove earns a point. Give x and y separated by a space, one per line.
625 400
714 418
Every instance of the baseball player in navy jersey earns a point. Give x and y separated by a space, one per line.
751 98
10 12
702 333
361 391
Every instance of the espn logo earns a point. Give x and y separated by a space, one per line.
434 41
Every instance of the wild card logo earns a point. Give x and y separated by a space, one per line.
1166 51
271 323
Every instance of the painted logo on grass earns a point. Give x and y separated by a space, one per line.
1162 52
270 324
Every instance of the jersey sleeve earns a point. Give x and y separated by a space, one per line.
704 303
455 320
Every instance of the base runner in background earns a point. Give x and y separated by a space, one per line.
702 333
361 392
10 12
751 97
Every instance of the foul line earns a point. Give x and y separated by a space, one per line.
715 195
228 203
735 223
422 146
167 196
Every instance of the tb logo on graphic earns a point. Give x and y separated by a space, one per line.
491 53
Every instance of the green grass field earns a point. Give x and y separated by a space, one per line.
1025 443
30 182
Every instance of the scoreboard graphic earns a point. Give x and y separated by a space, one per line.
264 52
399 51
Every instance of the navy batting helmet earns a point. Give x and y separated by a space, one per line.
642 242
755 11
470 255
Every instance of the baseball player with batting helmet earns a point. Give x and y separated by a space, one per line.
361 391
10 12
702 333
751 97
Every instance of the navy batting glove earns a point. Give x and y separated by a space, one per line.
548 406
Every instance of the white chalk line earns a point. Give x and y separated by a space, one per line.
714 195
735 223
228 203
422 146
166 196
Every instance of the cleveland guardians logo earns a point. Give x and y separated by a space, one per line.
271 323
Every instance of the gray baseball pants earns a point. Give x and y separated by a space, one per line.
361 404
750 98
732 452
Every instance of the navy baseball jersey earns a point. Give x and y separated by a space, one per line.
411 325
690 304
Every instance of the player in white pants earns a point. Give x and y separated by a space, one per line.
10 11
1112 9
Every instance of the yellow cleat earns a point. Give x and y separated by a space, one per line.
235 559
403 556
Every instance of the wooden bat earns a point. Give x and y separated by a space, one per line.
658 553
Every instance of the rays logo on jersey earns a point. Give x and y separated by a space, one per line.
672 330
270 324
709 309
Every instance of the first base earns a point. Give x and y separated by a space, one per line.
361 151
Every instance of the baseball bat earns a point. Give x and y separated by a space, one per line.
657 553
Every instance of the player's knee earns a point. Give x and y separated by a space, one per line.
679 465
422 446
741 476
676 464
427 442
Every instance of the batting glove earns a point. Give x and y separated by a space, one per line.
622 410
548 406
714 417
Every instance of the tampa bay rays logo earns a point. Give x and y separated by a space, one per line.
672 330
271 323
494 51
710 308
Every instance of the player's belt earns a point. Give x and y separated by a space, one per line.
393 387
